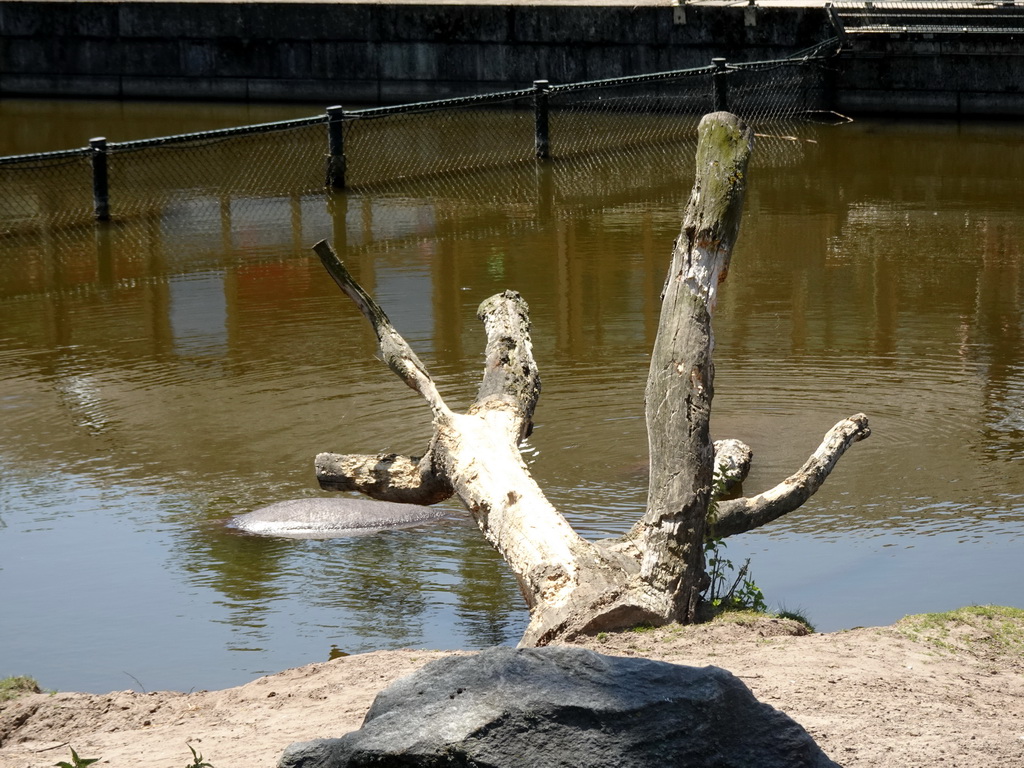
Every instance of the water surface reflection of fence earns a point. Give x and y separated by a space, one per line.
388 146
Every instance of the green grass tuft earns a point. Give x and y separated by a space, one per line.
639 628
13 687
795 615
197 759
982 630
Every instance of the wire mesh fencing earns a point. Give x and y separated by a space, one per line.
53 189
149 176
764 93
595 117
407 145
394 143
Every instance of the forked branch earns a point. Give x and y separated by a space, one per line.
741 515
473 455
655 573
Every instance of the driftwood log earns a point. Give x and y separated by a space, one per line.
655 574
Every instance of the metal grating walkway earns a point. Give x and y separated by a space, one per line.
937 17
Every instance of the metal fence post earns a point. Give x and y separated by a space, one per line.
104 256
720 77
337 207
336 147
542 140
100 185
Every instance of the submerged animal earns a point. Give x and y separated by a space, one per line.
328 518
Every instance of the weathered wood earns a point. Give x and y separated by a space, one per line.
741 515
680 385
732 464
397 353
476 454
654 574
386 476
510 371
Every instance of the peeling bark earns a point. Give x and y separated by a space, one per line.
476 456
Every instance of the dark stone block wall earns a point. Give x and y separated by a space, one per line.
360 54
976 75
366 53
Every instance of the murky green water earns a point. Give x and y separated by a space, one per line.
165 373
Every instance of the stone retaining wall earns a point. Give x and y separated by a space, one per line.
362 53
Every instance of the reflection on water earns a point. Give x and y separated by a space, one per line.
165 373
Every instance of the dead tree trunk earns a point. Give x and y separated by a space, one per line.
655 574
680 384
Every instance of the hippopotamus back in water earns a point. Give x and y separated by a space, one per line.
328 518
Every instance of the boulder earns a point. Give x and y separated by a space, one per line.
547 707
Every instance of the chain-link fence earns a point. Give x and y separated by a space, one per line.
388 146
147 175
52 189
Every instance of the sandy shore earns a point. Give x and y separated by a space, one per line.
924 692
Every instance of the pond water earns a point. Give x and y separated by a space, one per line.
163 374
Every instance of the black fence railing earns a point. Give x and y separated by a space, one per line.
356 149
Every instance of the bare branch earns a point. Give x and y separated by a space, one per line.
510 372
387 477
396 351
741 515
476 455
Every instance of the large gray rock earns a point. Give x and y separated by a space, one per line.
547 707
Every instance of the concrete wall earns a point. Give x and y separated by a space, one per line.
978 75
366 53
354 53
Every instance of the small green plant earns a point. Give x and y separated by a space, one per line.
725 593
76 761
640 628
197 759
13 687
